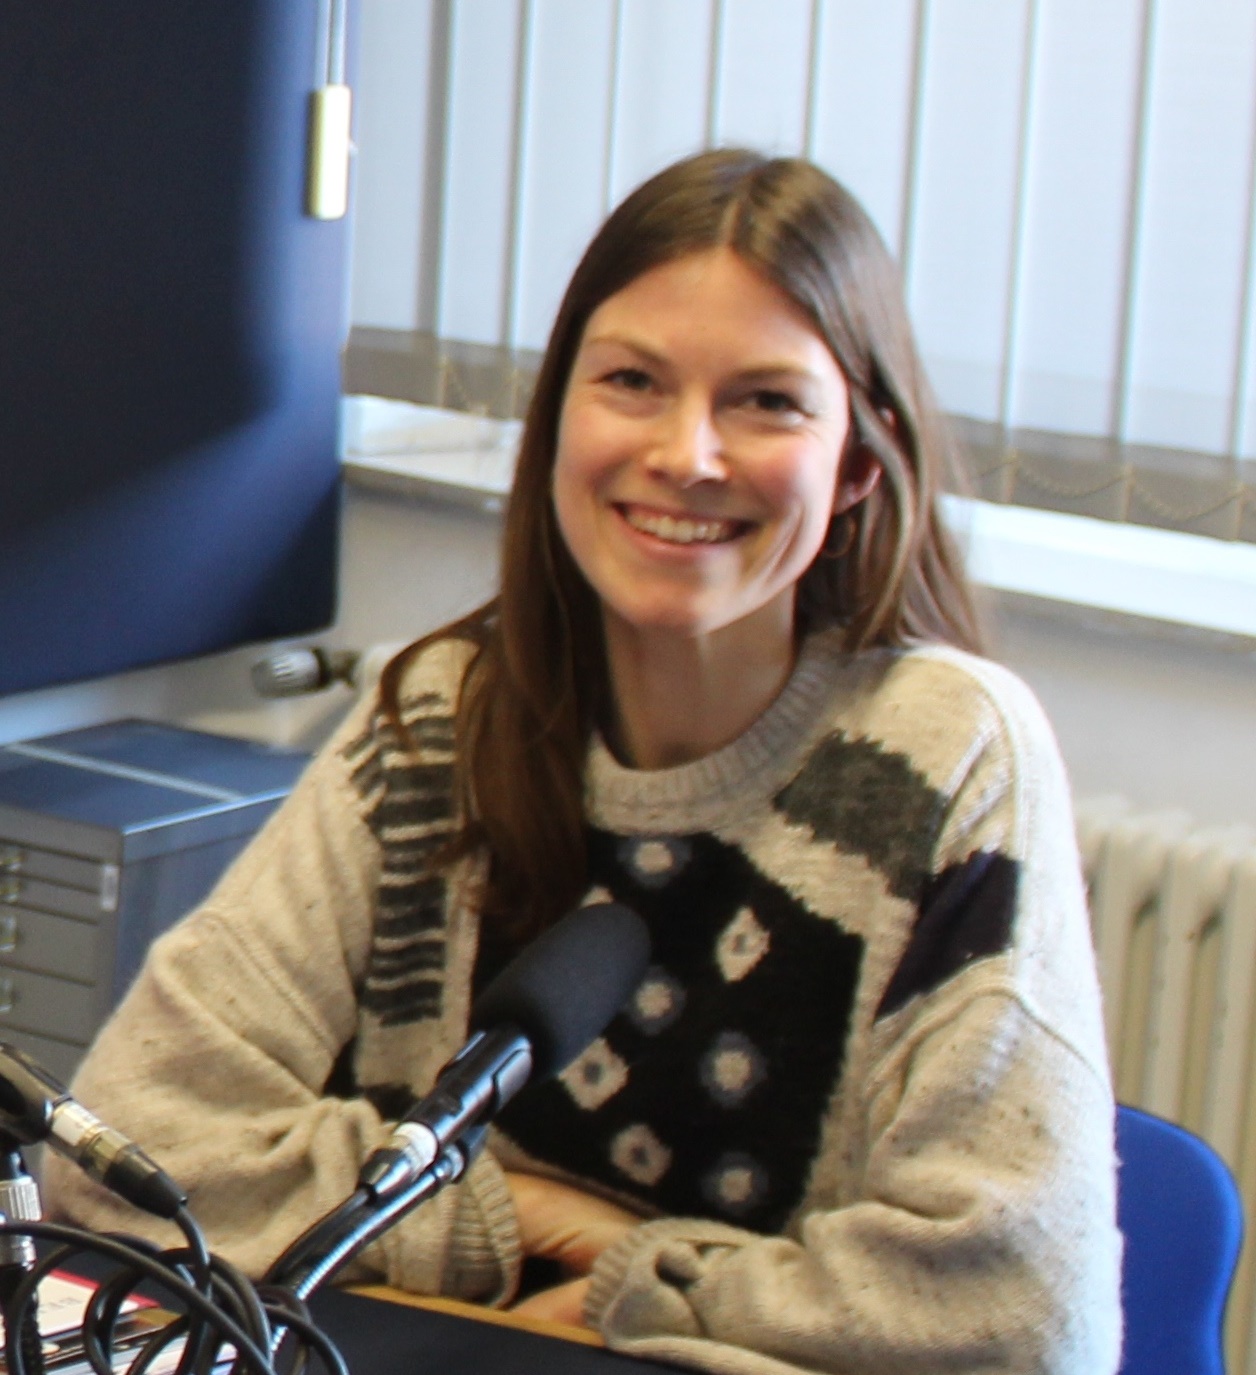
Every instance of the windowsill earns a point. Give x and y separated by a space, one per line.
1136 570
1160 575
424 453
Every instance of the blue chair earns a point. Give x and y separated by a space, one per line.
1180 1212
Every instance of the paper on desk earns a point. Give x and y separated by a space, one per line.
63 1300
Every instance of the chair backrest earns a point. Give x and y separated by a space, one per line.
1182 1218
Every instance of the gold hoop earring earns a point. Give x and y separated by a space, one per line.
840 538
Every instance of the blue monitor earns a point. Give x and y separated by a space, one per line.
170 330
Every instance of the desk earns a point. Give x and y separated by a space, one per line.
415 1337
478 1313
384 1331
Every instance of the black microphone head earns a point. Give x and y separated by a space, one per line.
563 988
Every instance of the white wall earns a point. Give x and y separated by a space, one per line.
1162 716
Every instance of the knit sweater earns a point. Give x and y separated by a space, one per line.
860 1100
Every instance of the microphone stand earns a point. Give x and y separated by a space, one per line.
19 1202
525 1026
331 1242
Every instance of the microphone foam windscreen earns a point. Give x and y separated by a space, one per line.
563 988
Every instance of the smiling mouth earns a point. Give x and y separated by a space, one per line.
683 529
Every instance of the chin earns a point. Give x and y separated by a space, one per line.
674 622
665 620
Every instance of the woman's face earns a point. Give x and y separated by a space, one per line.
700 450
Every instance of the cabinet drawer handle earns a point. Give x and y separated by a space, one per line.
10 858
10 887
9 932
8 996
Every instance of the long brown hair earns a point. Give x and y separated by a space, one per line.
537 682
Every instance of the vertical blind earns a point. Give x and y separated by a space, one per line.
1067 184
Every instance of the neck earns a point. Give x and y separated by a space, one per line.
680 697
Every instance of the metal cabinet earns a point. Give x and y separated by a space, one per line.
108 835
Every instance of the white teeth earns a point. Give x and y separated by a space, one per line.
680 529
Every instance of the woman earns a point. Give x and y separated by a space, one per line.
857 1117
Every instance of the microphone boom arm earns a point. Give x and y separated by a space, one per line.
327 1247
533 1019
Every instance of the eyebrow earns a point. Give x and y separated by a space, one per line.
760 371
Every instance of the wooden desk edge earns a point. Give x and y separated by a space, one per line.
478 1313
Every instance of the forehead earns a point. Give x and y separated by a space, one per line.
709 297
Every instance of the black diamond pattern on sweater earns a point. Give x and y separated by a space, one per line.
707 1096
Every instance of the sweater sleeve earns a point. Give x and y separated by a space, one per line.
217 1059
978 1230
982 1239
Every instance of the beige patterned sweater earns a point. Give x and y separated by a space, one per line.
860 1100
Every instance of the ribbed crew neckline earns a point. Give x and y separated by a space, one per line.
696 795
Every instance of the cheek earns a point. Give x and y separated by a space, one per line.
584 452
801 486
573 485
562 495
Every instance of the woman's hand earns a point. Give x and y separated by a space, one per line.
565 1224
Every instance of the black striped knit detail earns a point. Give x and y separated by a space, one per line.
846 791
844 794
409 796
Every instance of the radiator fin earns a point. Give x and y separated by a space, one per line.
1173 909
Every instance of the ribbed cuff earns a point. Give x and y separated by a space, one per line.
642 1289
485 1255
609 1273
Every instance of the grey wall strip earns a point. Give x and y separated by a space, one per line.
481 379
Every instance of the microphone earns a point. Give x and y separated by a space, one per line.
35 1107
535 1017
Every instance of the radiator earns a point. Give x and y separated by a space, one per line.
1173 908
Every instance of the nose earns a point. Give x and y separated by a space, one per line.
689 448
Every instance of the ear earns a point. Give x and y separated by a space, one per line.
857 476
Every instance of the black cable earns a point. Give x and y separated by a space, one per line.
23 1347
283 1305
235 1289
198 1249
98 1346
231 1283
254 1357
197 1357
105 1304
314 1338
155 1345
290 1312
268 1329
101 1315
42 1268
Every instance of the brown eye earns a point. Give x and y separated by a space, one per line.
631 379
777 401
776 405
